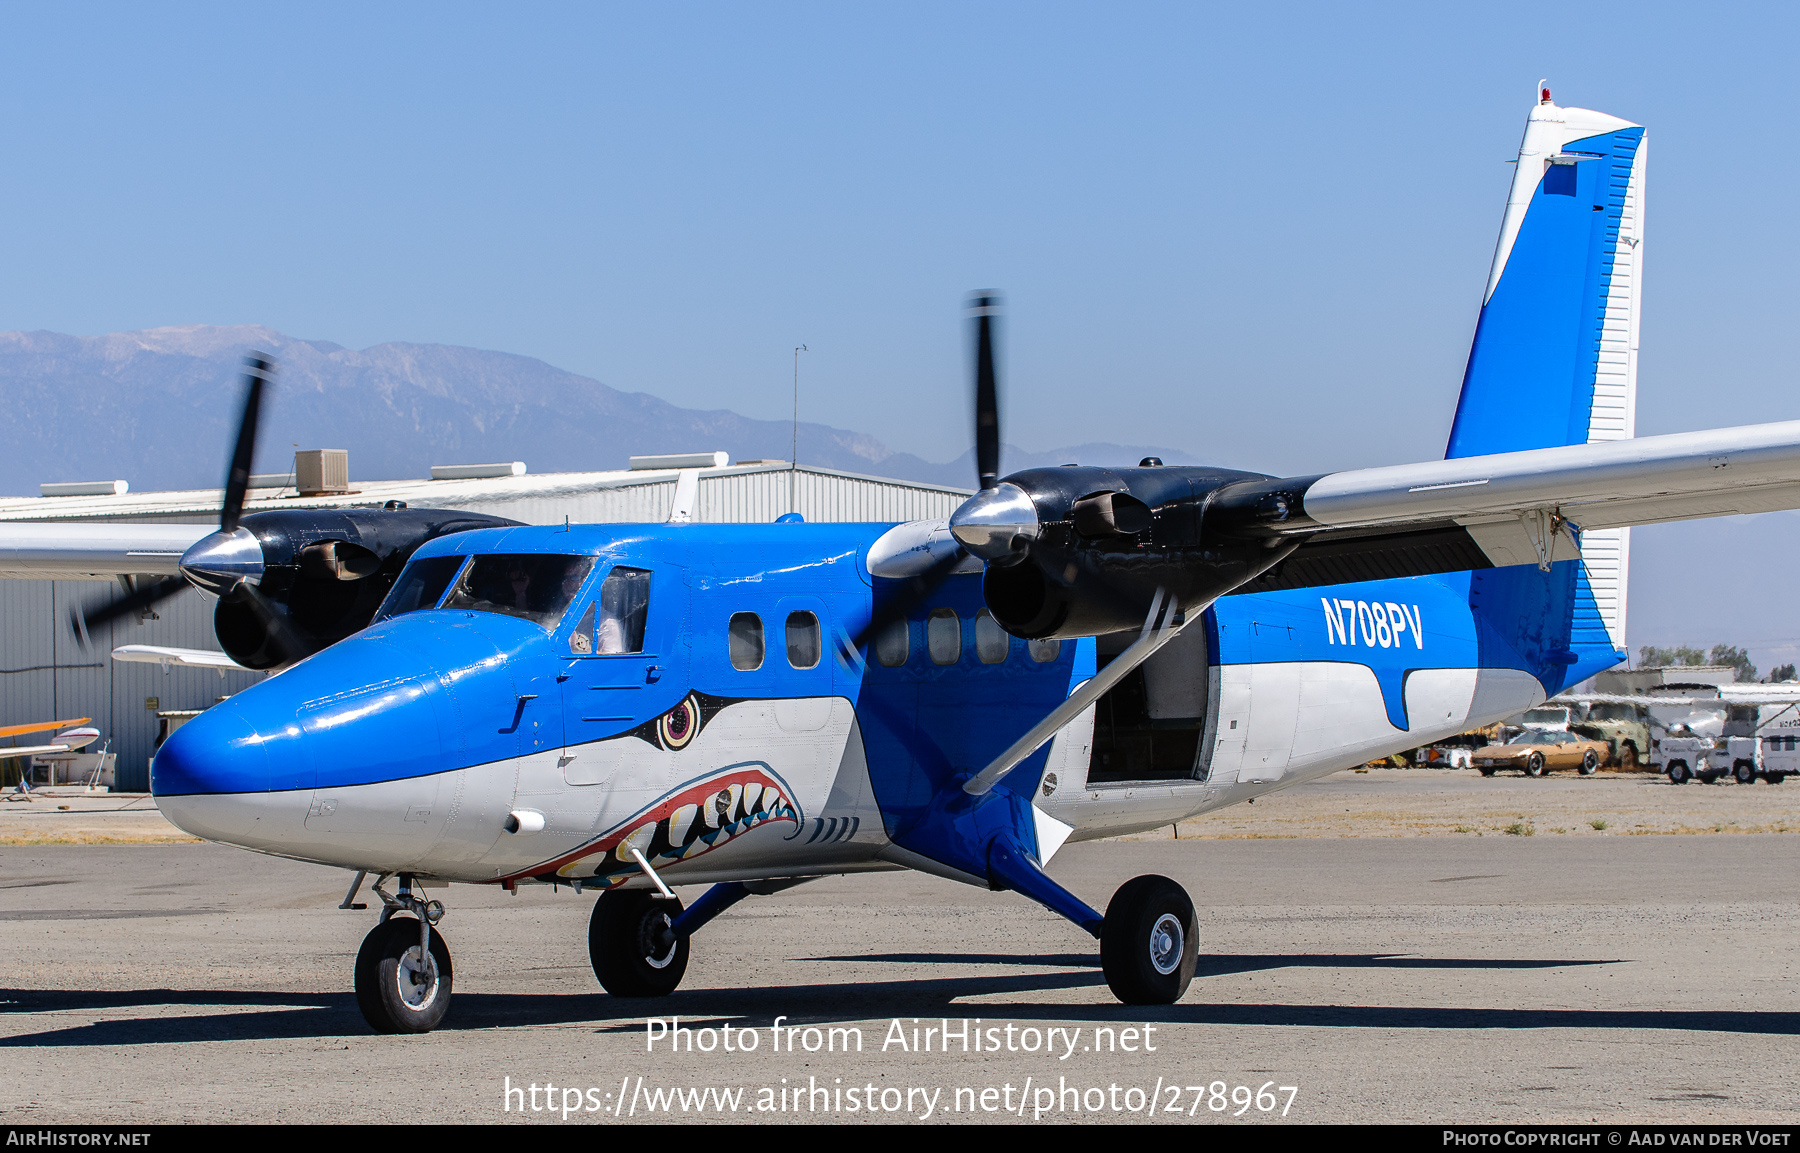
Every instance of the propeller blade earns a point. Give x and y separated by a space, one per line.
81 619
987 405
257 368
896 606
283 640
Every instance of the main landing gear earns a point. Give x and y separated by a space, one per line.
403 974
1149 941
1149 937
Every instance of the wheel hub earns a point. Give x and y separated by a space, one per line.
417 980
651 933
1167 939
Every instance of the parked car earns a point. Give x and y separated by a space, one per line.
1536 751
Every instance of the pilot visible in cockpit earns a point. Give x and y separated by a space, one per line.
609 637
518 585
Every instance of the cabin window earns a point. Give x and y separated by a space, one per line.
943 636
893 644
535 586
744 637
624 602
991 641
1043 652
421 585
803 640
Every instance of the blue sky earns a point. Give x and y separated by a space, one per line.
1257 232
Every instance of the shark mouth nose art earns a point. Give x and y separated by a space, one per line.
684 825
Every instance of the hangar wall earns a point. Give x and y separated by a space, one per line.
46 675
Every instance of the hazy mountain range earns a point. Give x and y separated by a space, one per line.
157 408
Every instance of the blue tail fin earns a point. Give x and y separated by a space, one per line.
1555 354
1554 360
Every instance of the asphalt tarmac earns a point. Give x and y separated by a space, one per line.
1499 978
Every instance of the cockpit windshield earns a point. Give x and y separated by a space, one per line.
420 586
535 586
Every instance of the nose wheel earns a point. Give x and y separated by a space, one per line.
403 974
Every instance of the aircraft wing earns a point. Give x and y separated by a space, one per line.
30 750
1507 508
190 658
41 726
61 551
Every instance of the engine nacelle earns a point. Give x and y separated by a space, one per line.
1096 544
327 571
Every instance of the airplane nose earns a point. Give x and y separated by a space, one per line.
382 706
216 752
202 771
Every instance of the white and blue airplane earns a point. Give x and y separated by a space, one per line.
1077 653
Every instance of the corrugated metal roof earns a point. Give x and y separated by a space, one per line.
726 495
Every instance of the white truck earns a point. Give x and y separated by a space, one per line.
1743 759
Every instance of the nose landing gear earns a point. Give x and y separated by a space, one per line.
403 974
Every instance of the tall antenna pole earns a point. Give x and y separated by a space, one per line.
794 454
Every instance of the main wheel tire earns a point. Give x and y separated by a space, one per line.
394 991
1744 773
1149 941
1678 773
1589 763
1534 765
623 944
1628 758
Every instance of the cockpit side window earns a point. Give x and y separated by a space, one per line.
535 586
624 606
581 641
420 586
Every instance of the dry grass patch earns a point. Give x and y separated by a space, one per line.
98 839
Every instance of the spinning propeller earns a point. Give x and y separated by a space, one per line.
227 563
983 307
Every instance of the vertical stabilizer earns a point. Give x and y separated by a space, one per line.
1554 360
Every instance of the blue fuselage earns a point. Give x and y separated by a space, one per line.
440 691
